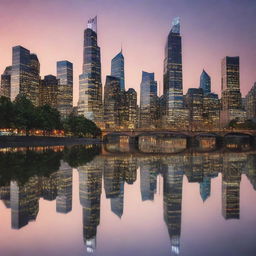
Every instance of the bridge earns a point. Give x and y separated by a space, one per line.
187 133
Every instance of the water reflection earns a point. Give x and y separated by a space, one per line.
30 174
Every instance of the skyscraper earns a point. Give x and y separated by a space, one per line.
90 87
230 91
25 74
111 102
48 91
117 69
175 113
65 88
205 82
148 99
131 100
5 89
250 103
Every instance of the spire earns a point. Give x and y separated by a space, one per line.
176 25
92 24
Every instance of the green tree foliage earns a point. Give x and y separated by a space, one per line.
80 126
6 113
23 115
246 125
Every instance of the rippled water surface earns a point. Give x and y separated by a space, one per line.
89 201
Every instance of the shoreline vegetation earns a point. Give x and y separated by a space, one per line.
21 117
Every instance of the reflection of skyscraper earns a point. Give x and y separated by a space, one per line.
24 202
64 194
90 181
5 195
172 205
117 69
147 182
205 188
90 87
48 186
65 88
231 178
117 203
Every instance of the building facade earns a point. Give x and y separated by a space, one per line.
148 100
65 88
5 89
250 103
175 114
111 102
90 86
117 69
205 82
25 76
231 99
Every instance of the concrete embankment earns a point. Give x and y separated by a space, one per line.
38 141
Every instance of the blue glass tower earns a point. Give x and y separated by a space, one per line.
205 82
148 99
117 69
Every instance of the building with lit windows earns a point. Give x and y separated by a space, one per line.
90 87
131 105
5 89
65 88
25 77
175 115
48 91
250 103
111 102
231 99
117 69
148 100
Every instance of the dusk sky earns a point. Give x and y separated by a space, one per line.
211 30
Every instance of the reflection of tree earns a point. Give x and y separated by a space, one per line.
20 166
80 155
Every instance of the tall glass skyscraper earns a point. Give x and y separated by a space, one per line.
117 69
25 74
90 86
111 102
148 99
175 114
231 98
65 90
205 82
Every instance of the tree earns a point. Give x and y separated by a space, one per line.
25 114
81 127
47 118
6 113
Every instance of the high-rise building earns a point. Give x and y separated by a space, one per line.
205 82
48 91
175 113
231 99
90 87
111 102
5 89
194 101
65 88
117 69
25 74
148 99
250 103
131 100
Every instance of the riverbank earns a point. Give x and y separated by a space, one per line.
42 141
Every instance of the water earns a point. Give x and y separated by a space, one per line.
89 201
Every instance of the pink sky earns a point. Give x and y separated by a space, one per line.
54 31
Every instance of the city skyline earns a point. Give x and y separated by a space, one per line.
230 43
